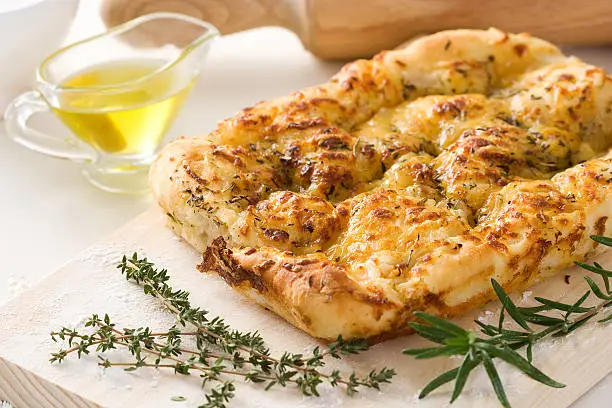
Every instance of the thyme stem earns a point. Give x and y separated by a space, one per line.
219 350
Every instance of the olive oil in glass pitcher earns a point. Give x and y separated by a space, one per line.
118 93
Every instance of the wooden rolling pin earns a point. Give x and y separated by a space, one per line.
346 29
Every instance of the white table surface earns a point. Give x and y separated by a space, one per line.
48 210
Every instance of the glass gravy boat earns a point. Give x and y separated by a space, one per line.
118 93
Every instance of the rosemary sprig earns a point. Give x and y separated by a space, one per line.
219 352
502 342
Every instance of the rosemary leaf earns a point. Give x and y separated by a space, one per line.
487 329
542 320
596 289
450 328
439 381
529 352
513 358
607 241
431 352
462 375
606 319
563 306
595 269
508 305
431 333
534 309
502 316
495 380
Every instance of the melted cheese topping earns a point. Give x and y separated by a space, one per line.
401 168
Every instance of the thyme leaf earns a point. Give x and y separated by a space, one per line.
217 353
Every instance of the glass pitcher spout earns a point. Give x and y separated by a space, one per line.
178 42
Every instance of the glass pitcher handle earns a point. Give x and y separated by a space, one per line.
17 115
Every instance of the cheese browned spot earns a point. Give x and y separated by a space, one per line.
405 183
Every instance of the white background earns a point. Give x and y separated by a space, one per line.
48 210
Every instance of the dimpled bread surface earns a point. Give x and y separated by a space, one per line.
405 183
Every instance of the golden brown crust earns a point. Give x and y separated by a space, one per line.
405 183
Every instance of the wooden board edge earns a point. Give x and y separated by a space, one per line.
29 390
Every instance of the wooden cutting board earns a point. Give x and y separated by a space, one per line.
346 29
90 283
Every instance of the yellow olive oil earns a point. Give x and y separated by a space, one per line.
117 109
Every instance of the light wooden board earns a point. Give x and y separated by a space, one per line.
91 284
348 29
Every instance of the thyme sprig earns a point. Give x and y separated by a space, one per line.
217 352
502 341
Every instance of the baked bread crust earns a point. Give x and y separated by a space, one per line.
405 183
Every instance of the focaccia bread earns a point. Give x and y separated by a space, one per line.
405 183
